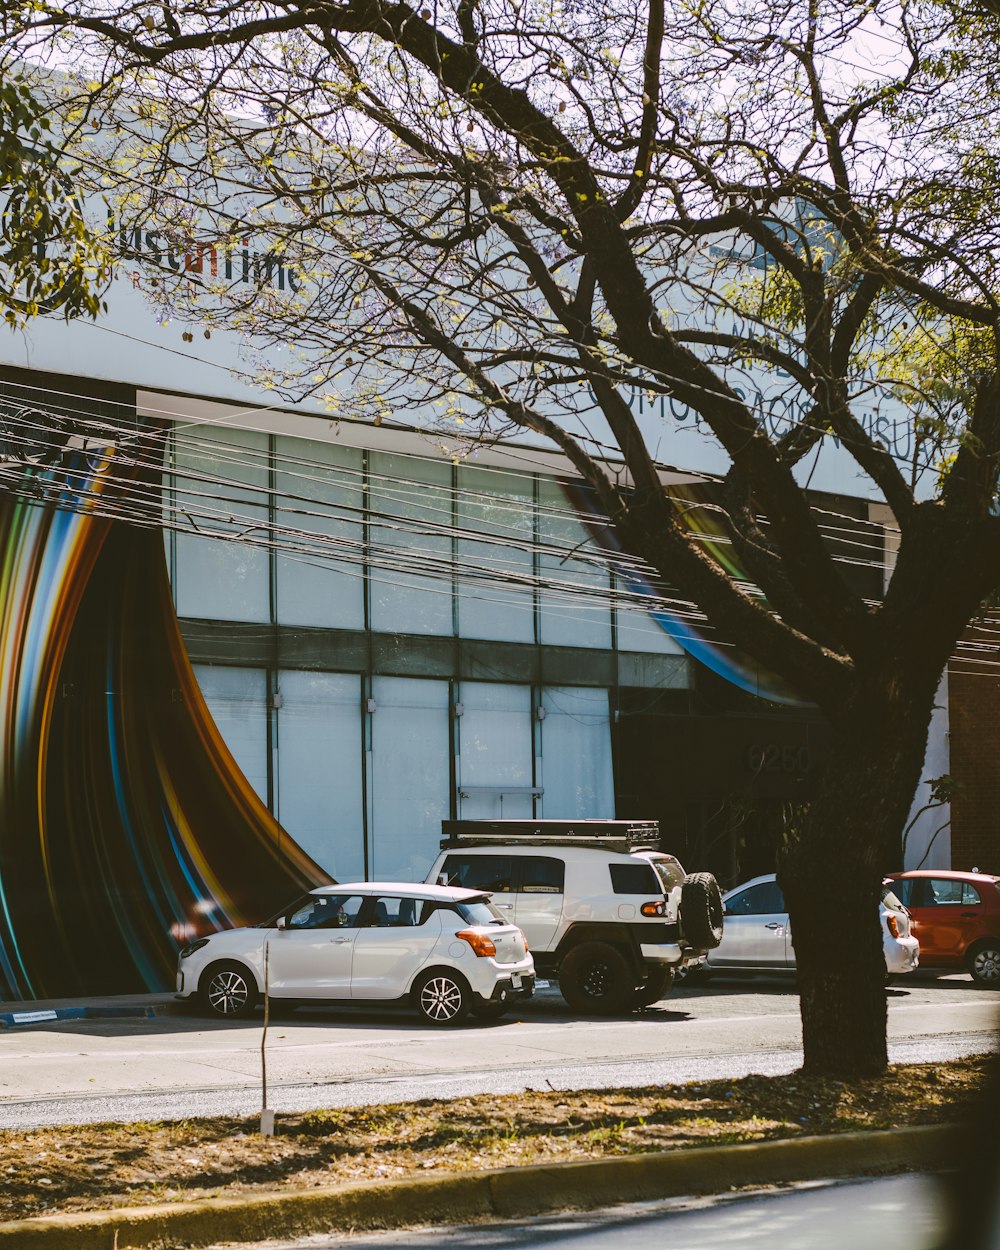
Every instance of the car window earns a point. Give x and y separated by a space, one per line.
394 913
904 891
479 911
942 892
635 879
327 911
479 872
541 874
669 871
764 899
970 895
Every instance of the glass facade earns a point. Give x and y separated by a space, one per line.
410 640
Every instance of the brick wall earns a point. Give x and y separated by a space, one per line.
974 710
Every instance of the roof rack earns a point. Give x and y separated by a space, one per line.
607 835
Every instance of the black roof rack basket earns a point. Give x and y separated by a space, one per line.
611 835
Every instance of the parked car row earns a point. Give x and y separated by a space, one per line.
932 917
592 904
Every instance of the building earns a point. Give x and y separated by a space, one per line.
248 648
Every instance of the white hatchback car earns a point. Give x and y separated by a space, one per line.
757 935
446 951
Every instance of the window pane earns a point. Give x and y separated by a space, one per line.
970 895
495 764
411 758
221 478
541 874
480 872
638 629
577 772
635 879
576 612
944 891
237 699
498 505
765 899
319 793
411 549
327 911
318 520
395 913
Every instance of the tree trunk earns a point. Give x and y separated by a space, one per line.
831 869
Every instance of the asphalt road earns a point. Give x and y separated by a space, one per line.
895 1213
177 1065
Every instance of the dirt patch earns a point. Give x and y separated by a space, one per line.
113 1165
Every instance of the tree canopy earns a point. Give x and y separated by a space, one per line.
519 214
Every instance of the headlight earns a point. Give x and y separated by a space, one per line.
192 947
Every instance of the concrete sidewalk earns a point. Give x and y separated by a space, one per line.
45 1010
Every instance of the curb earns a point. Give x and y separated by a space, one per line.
24 1019
461 1197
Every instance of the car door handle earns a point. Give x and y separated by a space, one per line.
341 941
968 915
505 906
774 925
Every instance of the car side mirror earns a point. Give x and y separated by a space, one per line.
281 923
442 878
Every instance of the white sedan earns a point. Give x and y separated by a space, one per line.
757 935
446 951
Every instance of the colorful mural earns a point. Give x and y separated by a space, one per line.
700 517
125 824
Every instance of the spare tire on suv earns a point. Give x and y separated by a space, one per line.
701 910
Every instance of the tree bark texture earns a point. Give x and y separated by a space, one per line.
831 869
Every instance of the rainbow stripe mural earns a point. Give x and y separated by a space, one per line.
726 661
125 823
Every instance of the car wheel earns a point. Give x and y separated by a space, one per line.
701 911
442 997
597 979
656 986
984 963
229 990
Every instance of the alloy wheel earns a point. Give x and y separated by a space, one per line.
441 999
228 993
986 965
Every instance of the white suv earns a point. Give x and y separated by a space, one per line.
445 951
605 912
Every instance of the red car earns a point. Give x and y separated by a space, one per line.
956 918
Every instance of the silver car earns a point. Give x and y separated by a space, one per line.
757 935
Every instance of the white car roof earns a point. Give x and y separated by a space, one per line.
402 889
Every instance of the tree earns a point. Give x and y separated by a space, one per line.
508 213
49 257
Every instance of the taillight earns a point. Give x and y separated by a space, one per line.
653 909
479 942
892 924
524 940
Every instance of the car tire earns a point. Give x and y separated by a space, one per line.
657 985
229 991
983 961
701 911
596 978
442 997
